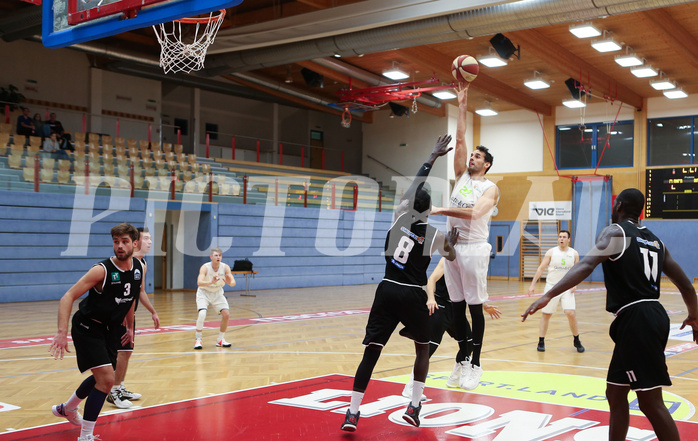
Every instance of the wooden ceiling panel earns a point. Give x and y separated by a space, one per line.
667 38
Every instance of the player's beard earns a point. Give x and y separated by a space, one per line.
125 256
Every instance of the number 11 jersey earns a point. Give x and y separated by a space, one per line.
635 273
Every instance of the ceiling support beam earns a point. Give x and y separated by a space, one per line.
430 59
367 117
333 74
674 34
568 63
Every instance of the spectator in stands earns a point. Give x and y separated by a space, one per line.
41 128
25 124
53 145
63 137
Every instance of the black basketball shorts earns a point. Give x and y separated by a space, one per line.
640 332
395 303
92 341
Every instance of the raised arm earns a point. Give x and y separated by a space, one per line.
460 160
440 149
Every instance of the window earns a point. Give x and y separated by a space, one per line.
583 146
671 141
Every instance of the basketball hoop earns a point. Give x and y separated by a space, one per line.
178 56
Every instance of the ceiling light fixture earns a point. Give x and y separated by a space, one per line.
663 83
644 71
536 82
491 59
585 30
606 44
444 95
573 104
487 110
675 93
395 73
628 60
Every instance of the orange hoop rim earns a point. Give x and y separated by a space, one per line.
203 20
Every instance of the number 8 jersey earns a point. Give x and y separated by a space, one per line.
408 250
634 274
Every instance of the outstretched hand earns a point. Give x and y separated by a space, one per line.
462 92
441 147
59 346
492 310
535 306
693 323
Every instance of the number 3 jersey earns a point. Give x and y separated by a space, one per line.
408 250
119 291
635 273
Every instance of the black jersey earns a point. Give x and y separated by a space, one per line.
636 272
408 249
120 289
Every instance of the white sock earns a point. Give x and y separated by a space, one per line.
87 428
199 335
417 390
356 398
73 402
221 336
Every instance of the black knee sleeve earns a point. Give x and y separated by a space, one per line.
365 369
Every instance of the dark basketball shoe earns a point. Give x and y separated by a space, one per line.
578 345
350 421
412 415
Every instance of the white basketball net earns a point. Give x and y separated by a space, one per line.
177 55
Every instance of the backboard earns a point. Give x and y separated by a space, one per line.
67 22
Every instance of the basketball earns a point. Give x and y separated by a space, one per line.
465 68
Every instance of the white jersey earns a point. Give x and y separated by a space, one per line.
560 263
210 272
465 194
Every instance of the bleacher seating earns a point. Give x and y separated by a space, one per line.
63 175
19 140
16 154
4 141
156 165
46 172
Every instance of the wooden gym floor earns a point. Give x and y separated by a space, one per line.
280 336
